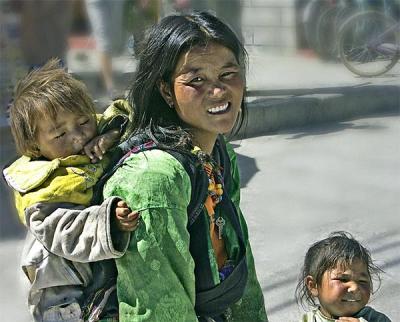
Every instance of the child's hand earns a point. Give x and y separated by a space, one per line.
99 145
345 319
125 219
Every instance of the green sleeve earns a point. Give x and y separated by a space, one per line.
251 307
156 275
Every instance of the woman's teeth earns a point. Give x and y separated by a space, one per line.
218 109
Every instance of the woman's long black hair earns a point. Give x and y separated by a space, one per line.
164 44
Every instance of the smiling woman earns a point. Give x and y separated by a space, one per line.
190 259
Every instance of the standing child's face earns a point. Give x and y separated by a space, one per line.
66 135
344 292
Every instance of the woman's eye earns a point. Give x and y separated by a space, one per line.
196 80
228 75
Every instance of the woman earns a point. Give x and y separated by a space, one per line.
187 262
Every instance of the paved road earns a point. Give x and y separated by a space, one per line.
297 187
303 184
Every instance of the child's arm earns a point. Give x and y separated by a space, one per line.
82 234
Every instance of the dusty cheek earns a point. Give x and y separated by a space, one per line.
185 94
366 295
237 85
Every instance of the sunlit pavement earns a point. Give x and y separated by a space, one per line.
300 185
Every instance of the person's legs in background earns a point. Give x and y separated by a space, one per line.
142 15
106 20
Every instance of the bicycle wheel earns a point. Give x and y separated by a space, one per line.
363 47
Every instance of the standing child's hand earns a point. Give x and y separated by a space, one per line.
99 145
125 219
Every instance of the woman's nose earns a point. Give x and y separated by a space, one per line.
217 90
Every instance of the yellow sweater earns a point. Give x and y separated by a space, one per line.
69 179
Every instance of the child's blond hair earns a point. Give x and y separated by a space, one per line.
43 93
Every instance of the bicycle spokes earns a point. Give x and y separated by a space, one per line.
368 43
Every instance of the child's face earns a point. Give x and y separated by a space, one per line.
344 292
66 135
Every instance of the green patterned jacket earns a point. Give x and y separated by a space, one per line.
156 279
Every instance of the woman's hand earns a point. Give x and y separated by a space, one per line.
125 219
99 145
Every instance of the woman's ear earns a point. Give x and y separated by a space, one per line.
311 285
166 93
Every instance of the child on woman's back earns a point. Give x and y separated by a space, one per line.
63 145
338 271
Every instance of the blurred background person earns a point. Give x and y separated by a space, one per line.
106 19
140 15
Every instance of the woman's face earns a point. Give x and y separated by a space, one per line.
208 86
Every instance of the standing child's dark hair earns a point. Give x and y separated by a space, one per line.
339 249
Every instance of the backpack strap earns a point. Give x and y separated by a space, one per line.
213 300
198 180
198 176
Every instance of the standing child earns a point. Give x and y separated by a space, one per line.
338 272
63 146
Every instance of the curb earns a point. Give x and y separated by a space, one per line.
268 115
